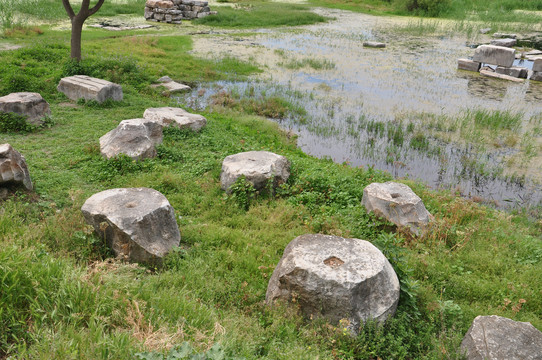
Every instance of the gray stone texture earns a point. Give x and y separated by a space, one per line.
136 138
138 224
514 71
498 338
175 117
258 167
171 86
494 55
336 278
30 105
173 11
536 76
469 65
374 44
504 42
88 88
398 204
537 65
495 75
13 169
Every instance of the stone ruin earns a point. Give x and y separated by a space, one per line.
173 11
503 57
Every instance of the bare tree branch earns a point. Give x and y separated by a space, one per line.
96 8
68 8
84 7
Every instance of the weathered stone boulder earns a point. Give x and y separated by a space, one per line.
498 338
469 65
398 204
537 65
89 88
13 169
495 55
374 44
514 71
504 36
30 105
336 278
136 138
171 86
258 167
504 42
138 224
176 117
536 76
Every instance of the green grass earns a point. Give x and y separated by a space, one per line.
262 14
63 297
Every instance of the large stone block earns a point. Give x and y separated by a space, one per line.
495 55
88 88
498 338
176 117
514 71
30 105
138 224
469 65
163 4
398 204
258 167
336 278
13 169
536 76
136 138
500 76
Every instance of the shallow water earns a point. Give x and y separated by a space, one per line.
412 75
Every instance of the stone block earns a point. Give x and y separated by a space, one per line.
346 281
374 44
469 65
504 35
159 17
13 168
504 42
176 117
495 55
162 4
136 138
514 71
537 64
203 14
27 104
536 76
88 88
499 76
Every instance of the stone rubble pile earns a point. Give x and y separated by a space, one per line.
173 11
503 57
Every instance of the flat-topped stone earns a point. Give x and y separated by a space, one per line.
398 204
495 55
504 36
258 167
136 138
171 85
176 117
85 87
27 104
498 338
374 44
514 71
504 42
138 224
537 64
13 169
469 65
499 76
336 278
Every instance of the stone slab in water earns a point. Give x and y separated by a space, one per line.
336 278
469 65
27 104
514 71
499 76
176 117
495 55
504 42
374 44
89 88
13 168
138 224
498 338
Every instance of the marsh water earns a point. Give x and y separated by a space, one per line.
358 98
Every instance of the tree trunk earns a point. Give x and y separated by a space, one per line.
77 29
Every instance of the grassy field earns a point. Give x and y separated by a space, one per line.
63 296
